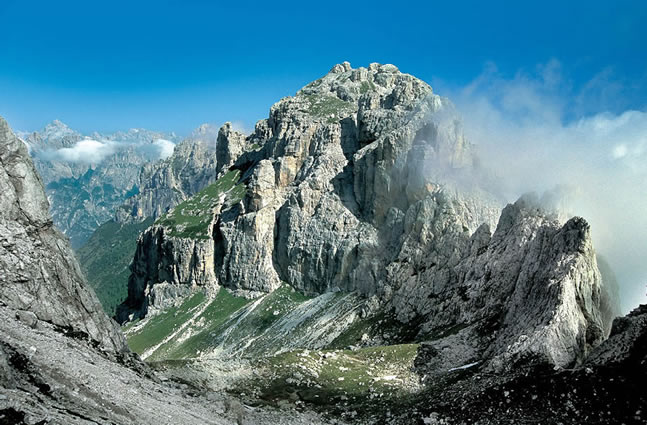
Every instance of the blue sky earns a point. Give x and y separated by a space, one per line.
172 65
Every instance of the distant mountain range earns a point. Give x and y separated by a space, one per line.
87 176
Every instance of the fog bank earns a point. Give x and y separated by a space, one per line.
537 134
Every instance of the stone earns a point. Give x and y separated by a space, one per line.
164 184
230 145
28 318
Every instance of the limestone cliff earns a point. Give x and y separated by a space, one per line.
363 181
529 292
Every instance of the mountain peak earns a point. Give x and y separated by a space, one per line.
341 67
57 124
58 130
377 84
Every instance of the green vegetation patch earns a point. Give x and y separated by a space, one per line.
230 325
159 327
274 306
230 322
259 324
341 380
329 107
105 259
191 218
366 86
209 323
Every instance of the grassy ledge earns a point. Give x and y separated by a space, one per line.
329 107
191 218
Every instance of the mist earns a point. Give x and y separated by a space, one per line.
86 151
538 134
89 151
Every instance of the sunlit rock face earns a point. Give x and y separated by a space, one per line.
363 181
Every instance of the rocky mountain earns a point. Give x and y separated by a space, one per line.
353 227
62 360
357 183
87 177
320 157
349 257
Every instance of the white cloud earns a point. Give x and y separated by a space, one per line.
87 151
165 147
91 151
521 133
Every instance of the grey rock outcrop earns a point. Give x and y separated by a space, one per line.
167 261
37 266
607 388
627 344
363 181
230 146
53 377
529 292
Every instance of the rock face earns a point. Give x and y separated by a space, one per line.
529 292
37 266
172 260
363 181
87 177
627 344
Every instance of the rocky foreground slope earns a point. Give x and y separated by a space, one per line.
62 360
